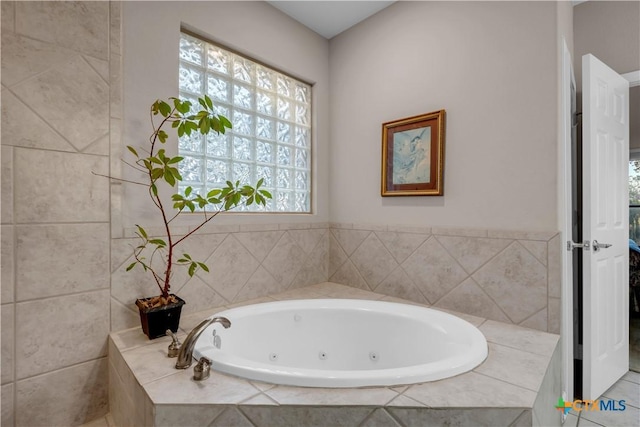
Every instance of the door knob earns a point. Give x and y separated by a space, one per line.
597 246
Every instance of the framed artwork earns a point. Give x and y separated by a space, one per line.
413 156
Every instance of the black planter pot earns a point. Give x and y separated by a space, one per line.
156 321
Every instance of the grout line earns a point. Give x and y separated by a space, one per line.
59 295
73 365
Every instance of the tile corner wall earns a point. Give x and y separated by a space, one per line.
504 275
59 85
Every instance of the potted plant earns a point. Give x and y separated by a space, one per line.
158 255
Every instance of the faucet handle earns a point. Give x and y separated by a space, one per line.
174 347
202 370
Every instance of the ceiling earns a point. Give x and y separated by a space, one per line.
329 18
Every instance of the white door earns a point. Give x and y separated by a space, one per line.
605 113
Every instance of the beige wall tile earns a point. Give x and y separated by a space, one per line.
8 15
7 393
115 86
81 395
231 417
462 417
380 418
520 338
175 415
469 298
67 192
7 257
7 184
284 260
554 309
219 388
260 284
373 261
199 296
124 317
516 281
308 239
72 98
517 367
315 268
8 342
554 264
471 390
305 416
81 26
337 256
115 20
472 252
21 127
24 57
537 248
399 285
53 260
348 275
433 270
538 321
57 332
330 396
401 245
349 240
231 265
259 243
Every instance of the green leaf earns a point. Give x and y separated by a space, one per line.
162 136
266 194
175 160
225 122
133 150
213 192
208 101
142 232
158 242
155 160
187 256
201 101
130 267
192 269
187 191
164 108
203 266
260 182
168 176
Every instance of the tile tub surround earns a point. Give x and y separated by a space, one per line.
507 276
513 386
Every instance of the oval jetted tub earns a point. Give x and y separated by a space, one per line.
341 343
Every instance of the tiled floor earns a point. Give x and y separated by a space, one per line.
627 389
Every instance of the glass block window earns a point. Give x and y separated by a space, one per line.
271 135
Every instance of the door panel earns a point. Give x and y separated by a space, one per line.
605 199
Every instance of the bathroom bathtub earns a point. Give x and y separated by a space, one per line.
341 343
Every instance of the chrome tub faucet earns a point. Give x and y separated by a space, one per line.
185 356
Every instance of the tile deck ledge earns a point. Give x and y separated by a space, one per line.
506 388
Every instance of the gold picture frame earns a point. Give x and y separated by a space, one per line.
413 155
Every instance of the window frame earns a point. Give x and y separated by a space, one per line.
229 108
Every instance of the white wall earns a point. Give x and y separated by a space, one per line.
492 66
151 39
